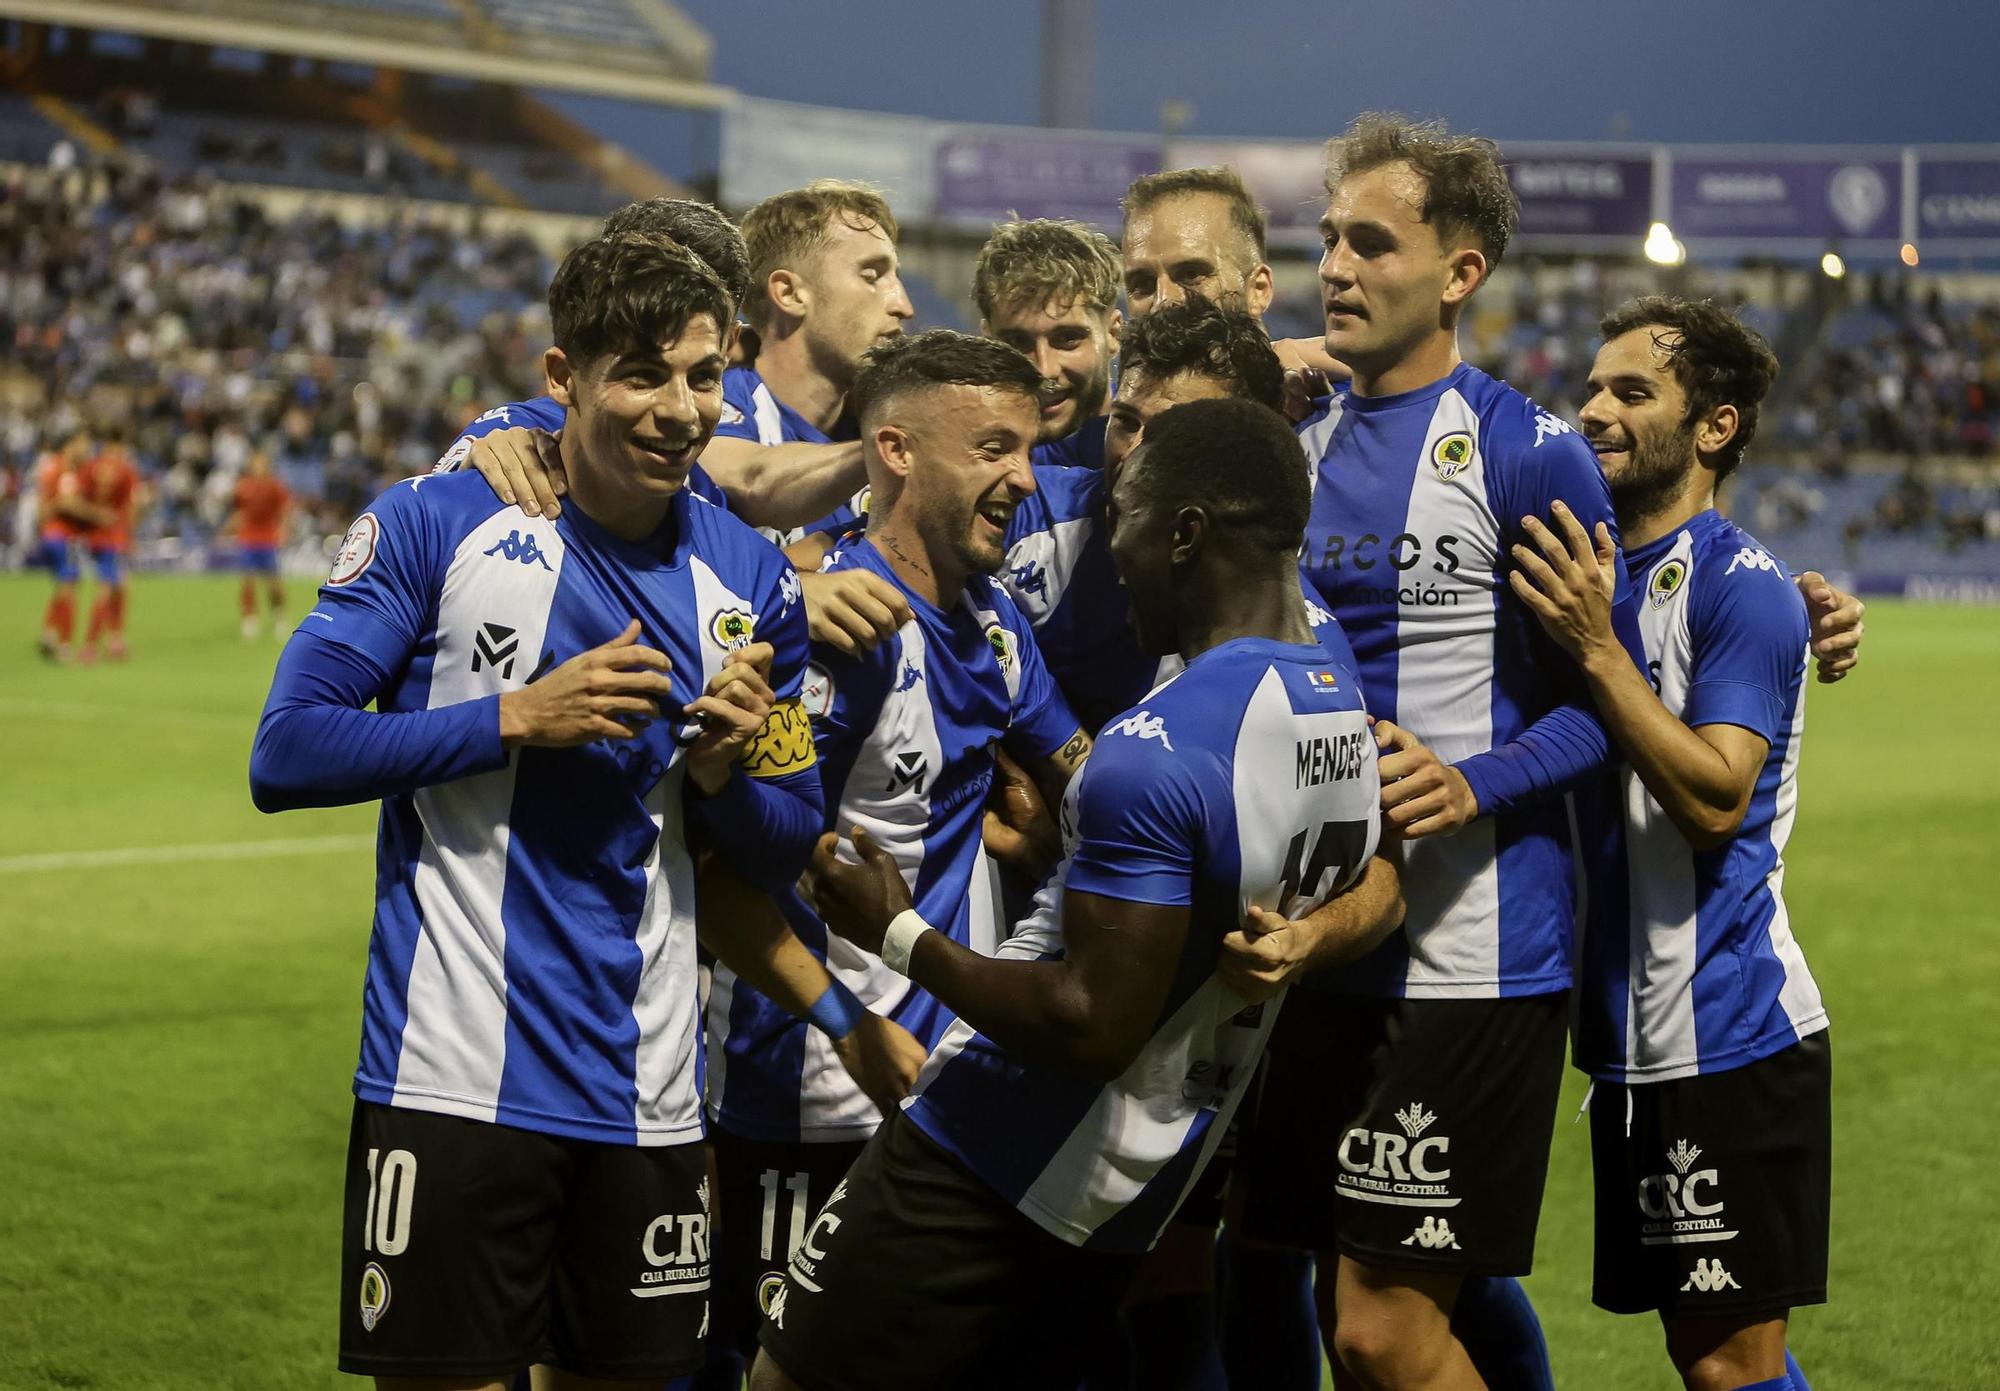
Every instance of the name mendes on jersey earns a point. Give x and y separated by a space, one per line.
1404 552
1320 760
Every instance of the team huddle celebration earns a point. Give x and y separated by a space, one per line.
1076 855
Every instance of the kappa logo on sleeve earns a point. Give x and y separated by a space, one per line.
1750 558
784 745
1549 426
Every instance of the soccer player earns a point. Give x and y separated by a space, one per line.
258 511
111 483
823 291
564 710
1195 232
1050 289
905 733
986 1235
1698 1020
1425 1088
63 514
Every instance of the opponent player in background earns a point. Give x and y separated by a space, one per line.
985 1236
906 733
62 515
111 483
564 710
1697 1017
259 508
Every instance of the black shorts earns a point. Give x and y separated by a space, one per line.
1410 1134
767 1193
471 1249
917 1275
1713 1199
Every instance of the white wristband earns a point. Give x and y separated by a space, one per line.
901 938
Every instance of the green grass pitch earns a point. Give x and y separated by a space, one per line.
177 1031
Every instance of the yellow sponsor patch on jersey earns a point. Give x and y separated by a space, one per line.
784 745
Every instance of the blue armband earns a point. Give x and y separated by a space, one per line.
836 1011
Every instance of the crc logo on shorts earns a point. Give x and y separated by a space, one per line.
1450 455
1666 582
1681 1207
1411 1169
374 1296
732 629
806 1257
675 1246
357 550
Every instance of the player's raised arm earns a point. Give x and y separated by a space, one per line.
1088 1012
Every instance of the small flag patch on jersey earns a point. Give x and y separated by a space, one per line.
1323 680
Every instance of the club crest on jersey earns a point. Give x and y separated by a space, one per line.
357 550
732 629
1666 582
1002 643
1450 455
767 1291
374 1296
730 414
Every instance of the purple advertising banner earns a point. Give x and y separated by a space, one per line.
989 175
1578 193
1958 199
1821 199
1287 177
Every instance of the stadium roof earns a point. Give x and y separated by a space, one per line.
521 42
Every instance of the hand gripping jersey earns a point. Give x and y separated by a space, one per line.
1689 964
751 412
1248 778
1059 571
542 413
905 736
1417 498
533 957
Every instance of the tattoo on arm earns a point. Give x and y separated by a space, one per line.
1072 753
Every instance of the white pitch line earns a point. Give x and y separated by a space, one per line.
182 854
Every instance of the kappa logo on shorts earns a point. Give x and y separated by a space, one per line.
1434 1234
1412 1169
675 1246
1708 1276
374 1296
1682 1207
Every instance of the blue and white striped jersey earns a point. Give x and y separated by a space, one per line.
1248 778
1417 498
1689 964
750 411
1059 571
905 734
533 955
542 413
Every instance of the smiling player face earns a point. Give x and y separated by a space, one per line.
1636 422
1072 345
640 417
970 470
1188 244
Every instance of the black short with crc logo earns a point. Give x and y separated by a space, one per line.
1713 1192
916 1275
471 1249
1410 1134
767 1194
